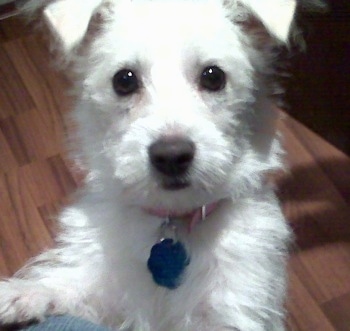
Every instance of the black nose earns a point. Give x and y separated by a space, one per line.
172 157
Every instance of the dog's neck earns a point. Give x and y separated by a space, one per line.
191 217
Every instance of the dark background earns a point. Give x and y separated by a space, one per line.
318 93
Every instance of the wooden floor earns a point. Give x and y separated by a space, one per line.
36 179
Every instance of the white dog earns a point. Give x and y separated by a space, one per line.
176 228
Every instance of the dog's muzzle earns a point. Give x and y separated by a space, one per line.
172 159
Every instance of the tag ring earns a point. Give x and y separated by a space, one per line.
204 212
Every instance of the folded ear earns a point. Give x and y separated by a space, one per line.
275 15
68 20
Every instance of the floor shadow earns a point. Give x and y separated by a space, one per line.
316 201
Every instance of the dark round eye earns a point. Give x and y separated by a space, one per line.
213 78
125 82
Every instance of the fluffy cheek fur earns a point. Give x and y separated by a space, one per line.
120 142
213 158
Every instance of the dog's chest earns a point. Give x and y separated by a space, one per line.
130 286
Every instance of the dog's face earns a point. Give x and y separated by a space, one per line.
171 104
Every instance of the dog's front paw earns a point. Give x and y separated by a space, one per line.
23 301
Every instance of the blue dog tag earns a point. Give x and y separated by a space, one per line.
167 263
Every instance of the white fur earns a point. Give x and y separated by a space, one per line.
62 17
236 278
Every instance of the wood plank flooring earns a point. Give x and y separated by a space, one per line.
36 180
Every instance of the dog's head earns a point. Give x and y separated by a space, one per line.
173 103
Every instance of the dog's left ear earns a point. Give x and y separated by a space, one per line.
68 20
276 16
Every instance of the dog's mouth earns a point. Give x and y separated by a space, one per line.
174 184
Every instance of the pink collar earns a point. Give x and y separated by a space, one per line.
193 217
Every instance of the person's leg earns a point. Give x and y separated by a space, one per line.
65 323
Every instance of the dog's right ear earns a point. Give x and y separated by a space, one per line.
274 16
68 20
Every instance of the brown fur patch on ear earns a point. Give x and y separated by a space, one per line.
273 17
257 31
98 20
253 27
